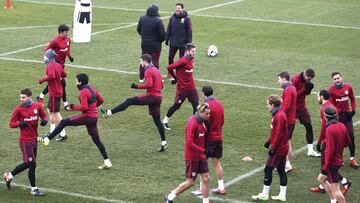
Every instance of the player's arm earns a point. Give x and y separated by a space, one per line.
175 65
138 29
330 149
322 131
280 130
50 75
352 99
51 45
69 53
168 32
188 28
84 106
286 105
14 120
149 81
63 74
190 134
161 31
99 99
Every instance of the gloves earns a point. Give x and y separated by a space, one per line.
167 42
23 124
267 144
43 122
271 152
40 82
208 153
133 86
348 115
309 86
318 147
71 59
173 82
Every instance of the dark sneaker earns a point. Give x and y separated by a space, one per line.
37 193
61 138
103 110
166 126
167 200
163 148
7 180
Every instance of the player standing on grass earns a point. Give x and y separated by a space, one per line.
288 106
152 98
61 46
342 95
195 155
26 116
278 148
89 100
302 83
184 79
336 138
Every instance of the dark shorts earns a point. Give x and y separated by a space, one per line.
215 147
303 115
29 151
276 161
291 127
333 174
89 122
349 125
153 102
191 95
54 104
195 167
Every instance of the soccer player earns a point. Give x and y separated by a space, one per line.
336 138
342 95
302 83
288 106
61 46
89 99
185 87
151 29
323 99
153 85
54 76
178 33
278 145
195 155
25 116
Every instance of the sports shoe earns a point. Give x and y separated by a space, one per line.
37 193
218 191
40 101
166 126
260 197
196 192
103 111
7 180
313 153
317 189
354 164
167 200
163 148
346 187
279 198
61 138
288 169
105 165
141 80
43 140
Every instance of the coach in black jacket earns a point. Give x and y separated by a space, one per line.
152 32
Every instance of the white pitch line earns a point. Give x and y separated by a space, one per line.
68 193
215 6
46 26
22 50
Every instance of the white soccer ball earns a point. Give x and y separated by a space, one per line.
212 51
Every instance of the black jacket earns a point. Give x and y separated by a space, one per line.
151 30
179 30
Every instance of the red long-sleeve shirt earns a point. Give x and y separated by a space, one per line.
216 119
279 133
340 97
61 46
54 73
31 116
337 138
184 74
299 84
89 100
288 106
323 121
195 139
153 81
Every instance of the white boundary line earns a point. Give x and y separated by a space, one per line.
215 6
46 26
68 193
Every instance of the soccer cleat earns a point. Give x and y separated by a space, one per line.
163 148
317 189
166 126
346 187
167 200
44 140
196 192
141 80
279 198
7 180
104 111
61 138
37 193
313 153
260 197
218 191
106 165
354 164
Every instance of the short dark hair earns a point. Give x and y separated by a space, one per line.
207 90
63 28
26 91
189 46
310 72
146 57
325 94
83 78
335 73
285 75
179 4
274 100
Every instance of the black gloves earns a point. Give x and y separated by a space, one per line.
207 125
348 115
308 87
133 86
71 59
23 124
271 152
267 144
318 147
167 42
208 153
173 82
43 122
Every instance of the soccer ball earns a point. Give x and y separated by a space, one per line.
212 51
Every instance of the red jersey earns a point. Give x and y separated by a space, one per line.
216 119
61 46
279 133
184 74
341 97
299 84
153 81
54 73
195 139
30 115
288 105
337 138
323 121
89 100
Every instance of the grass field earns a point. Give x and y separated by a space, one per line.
256 38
